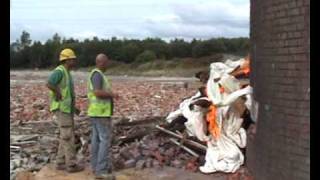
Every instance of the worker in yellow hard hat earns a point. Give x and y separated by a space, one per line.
62 104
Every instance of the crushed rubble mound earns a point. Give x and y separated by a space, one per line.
147 146
29 101
136 144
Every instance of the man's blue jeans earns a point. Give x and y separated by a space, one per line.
101 154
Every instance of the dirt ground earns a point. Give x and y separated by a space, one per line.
164 173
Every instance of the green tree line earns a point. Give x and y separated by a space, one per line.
25 53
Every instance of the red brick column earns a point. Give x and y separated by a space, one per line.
280 48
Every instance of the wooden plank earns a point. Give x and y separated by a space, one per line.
184 147
187 141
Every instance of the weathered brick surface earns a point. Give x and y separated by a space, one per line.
280 43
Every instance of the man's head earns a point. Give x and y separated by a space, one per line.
68 58
102 61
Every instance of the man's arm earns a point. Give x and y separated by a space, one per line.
103 94
56 91
97 82
53 82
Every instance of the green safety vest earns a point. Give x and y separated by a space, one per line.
99 107
66 104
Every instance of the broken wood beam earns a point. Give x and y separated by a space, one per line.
126 122
15 147
37 122
23 143
187 141
134 136
28 138
184 147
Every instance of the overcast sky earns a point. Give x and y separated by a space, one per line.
167 19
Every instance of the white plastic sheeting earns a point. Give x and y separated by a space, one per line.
234 64
224 99
254 110
223 154
184 104
196 124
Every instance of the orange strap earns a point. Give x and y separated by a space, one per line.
246 67
221 90
211 119
246 70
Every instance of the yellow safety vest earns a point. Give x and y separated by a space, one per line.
99 107
66 103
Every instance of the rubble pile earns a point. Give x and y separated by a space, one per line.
30 116
30 101
34 144
152 151
141 137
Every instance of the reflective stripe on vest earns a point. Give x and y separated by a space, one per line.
64 105
98 107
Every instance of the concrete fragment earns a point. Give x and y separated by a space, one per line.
17 163
149 163
161 150
12 166
156 164
158 156
25 160
176 163
140 164
192 165
130 163
135 153
170 152
124 153
146 152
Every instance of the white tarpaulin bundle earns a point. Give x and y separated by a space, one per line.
223 153
195 125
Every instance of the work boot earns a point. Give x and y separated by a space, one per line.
61 167
75 168
105 176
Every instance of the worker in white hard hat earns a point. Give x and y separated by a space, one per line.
62 104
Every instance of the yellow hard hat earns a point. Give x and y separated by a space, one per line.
67 54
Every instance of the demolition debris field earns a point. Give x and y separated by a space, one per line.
144 103
139 96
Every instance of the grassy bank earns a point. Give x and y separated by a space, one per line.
179 67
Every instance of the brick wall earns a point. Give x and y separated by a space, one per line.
280 48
